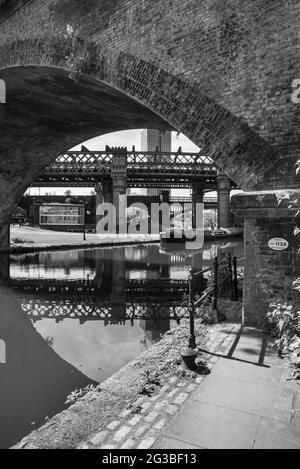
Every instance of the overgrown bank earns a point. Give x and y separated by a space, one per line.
103 404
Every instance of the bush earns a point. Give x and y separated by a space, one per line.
286 321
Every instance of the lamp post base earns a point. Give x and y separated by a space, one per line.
189 356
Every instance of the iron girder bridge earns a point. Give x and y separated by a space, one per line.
143 169
148 288
111 313
90 300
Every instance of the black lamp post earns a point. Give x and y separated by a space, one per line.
189 354
192 340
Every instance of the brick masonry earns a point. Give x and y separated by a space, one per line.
269 274
220 71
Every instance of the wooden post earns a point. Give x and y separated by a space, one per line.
232 292
216 286
235 280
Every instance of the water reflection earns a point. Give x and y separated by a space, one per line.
68 319
35 380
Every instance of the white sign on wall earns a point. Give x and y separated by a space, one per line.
278 244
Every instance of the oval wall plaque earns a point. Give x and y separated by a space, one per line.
278 244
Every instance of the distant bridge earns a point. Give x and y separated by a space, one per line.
143 169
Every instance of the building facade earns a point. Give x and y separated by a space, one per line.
156 140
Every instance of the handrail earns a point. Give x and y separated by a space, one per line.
211 290
204 271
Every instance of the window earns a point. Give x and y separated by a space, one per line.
62 215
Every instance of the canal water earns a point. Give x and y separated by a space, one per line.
73 318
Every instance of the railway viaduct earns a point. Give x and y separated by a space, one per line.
219 71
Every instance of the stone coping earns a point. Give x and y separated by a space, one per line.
267 204
64 247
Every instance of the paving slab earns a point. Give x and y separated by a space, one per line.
241 405
256 399
236 370
213 427
273 434
171 443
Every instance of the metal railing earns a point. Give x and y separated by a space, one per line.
100 163
212 291
186 200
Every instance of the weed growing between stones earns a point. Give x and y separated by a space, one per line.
166 359
149 382
79 394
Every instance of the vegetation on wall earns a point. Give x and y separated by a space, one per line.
285 318
81 57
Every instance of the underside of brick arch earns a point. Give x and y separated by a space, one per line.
47 113
62 92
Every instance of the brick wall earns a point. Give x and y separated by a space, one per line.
269 274
220 71
243 54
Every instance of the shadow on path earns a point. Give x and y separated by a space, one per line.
236 342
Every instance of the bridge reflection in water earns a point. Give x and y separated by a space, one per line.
112 285
52 312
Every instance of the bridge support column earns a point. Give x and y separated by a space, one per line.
4 235
119 179
224 213
165 197
197 198
118 296
4 267
104 194
271 250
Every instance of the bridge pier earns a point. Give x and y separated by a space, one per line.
104 194
4 235
119 178
5 267
118 295
165 197
224 212
271 250
197 198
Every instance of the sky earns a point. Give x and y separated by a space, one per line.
128 138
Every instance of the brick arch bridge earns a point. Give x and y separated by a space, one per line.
220 71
